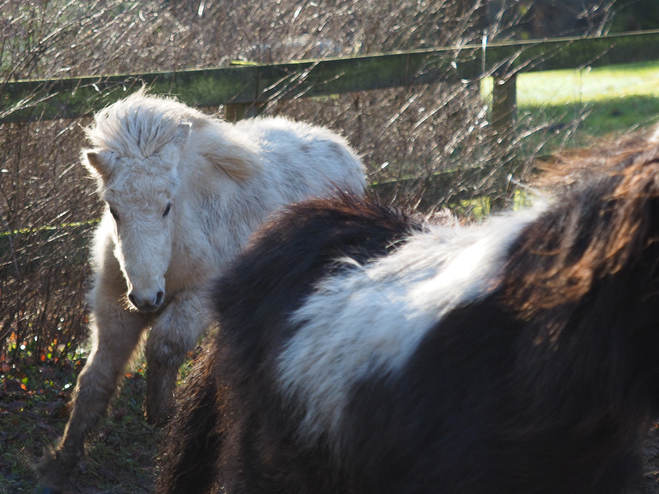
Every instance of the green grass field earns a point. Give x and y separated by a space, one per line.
561 87
604 100
571 107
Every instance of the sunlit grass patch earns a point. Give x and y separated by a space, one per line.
479 207
596 102
559 87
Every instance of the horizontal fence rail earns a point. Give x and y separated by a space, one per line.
23 101
249 84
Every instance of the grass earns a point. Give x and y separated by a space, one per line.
34 409
588 102
33 412
559 87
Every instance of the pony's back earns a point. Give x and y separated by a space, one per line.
362 351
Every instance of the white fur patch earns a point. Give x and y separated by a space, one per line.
220 180
370 320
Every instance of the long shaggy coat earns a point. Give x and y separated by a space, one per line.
363 351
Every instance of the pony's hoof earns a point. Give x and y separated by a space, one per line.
156 420
53 471
156 414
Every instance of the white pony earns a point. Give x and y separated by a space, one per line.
183 193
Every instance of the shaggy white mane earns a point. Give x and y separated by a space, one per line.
140 125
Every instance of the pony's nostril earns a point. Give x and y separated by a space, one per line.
147 304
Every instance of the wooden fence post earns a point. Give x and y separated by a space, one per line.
238 111
504 109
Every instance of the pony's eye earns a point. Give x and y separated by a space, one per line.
114 214
169 206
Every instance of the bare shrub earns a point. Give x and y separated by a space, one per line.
410 138
42 264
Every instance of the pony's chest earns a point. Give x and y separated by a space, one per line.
192 265
199 257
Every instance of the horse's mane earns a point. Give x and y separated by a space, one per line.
577 165
601 222
141 124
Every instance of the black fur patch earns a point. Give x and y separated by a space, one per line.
545 386
254 299
287 257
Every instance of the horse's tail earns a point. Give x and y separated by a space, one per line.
192 444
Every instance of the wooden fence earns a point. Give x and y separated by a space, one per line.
245 89
242 86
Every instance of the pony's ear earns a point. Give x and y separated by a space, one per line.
228 151
93 160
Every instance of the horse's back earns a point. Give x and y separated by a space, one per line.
309 155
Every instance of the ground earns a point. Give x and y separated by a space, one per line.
33 412
121 458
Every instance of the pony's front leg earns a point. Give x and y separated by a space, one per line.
173 335
115 335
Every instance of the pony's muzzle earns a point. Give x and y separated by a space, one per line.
147 302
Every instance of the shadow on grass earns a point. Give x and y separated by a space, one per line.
577 125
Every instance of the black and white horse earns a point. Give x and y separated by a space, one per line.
363 351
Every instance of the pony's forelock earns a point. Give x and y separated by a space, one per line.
141 125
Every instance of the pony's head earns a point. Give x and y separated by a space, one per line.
139 144
140 202
136 165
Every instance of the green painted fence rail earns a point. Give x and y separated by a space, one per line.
76 97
